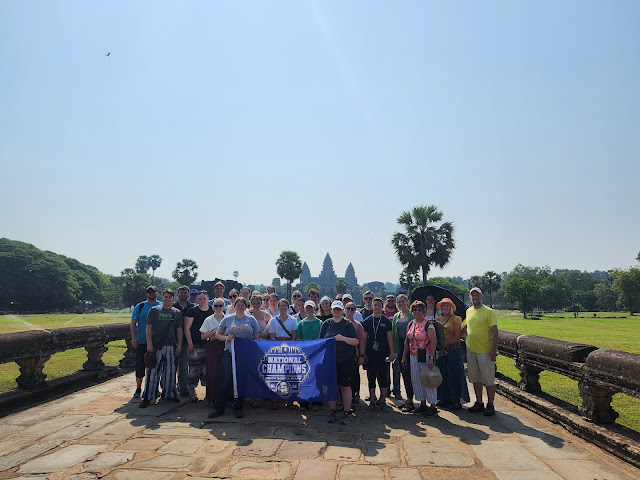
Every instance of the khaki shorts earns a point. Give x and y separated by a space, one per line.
480 368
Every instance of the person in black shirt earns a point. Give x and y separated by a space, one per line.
183 304
378 351
196 346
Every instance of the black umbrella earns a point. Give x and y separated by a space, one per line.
421 293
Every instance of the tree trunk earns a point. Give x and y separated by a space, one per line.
288 291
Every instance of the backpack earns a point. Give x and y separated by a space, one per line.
440 338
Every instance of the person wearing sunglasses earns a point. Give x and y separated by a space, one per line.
295 298
214 349
351 311
195 344
233 295
261 316
379 350
418 352
367 310
400 323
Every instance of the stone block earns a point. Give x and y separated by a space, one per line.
404 474
436 452
261 470
298 450
178 429
182 445
586 469
132 474
64 458
259 447
82 428
315 470
108 460
360 472
21 456
381 453
512 456
117 431
141 444
166 462
342 453
54 424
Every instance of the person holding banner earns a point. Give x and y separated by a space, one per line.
351 310
214 349
282 327
346 338
232 326
309 329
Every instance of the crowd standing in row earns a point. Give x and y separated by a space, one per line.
195 338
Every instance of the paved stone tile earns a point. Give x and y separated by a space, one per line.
550 446
54 424
342 453
298 450
131 474
216 445
341 438
258 447
81 476
178 429
360 472
295 433
34 415
157 410
315 470
183 445
512 456
586 469
21 456
12 442
436 452
64 458
141 444
82 428
522 475
381 453
168 461
404 474
262 470
108 460
117 431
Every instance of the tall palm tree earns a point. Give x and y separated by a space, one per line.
185 272
154 263
289 267
491 282
425 241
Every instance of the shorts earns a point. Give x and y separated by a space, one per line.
378 369
140 367
345 372
480 368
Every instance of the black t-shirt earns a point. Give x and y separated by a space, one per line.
198 319
344 351
377 329
365 312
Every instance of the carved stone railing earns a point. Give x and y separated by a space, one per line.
31 349
600 373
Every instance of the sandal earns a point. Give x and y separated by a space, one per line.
408 407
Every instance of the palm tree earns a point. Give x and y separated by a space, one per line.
491 282
423 243
154 262
142 264
289 267
185 272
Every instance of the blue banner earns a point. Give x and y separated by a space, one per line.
288 371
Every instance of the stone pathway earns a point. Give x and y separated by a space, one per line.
100 432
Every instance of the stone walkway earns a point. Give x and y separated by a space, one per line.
100 432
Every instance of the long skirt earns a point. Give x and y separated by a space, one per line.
453 388
420 392
214 354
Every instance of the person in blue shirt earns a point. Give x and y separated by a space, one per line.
139 333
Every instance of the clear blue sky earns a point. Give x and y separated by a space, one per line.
311 125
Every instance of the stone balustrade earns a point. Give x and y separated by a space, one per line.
600 373
31 349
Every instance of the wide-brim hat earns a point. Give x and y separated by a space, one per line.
449 302
430 377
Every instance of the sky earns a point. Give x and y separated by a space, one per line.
229 131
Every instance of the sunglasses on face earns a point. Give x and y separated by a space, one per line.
233 296
218 305
351 308
368 298
416 309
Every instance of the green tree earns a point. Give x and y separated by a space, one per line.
154 263
126 272
340 286
425 242
382 293
142 264
626 283
491 283
289 267
554 294
134 288
606 297
311 285
185 272
356 293
407 280
521 291
458 290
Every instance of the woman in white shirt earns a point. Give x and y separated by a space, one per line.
282 327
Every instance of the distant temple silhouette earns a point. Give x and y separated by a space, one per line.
327 277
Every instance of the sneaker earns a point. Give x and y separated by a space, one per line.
144 403
332 417
173 400
137 393
489 411
408 407
421 409
384 408
397 395
456 406
215 413
371 407
346 419
477 407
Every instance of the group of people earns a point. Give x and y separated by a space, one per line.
176 337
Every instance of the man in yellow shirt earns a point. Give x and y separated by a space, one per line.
481 328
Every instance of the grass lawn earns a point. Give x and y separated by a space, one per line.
62 363
614 333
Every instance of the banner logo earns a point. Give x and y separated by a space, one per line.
283 368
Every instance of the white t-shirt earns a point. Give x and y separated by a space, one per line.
290 323
210 324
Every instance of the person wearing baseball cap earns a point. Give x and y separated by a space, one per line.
481 329
309 329
139 334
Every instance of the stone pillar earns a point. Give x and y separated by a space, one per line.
31 374
129 359
94 357
596 403
529 377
